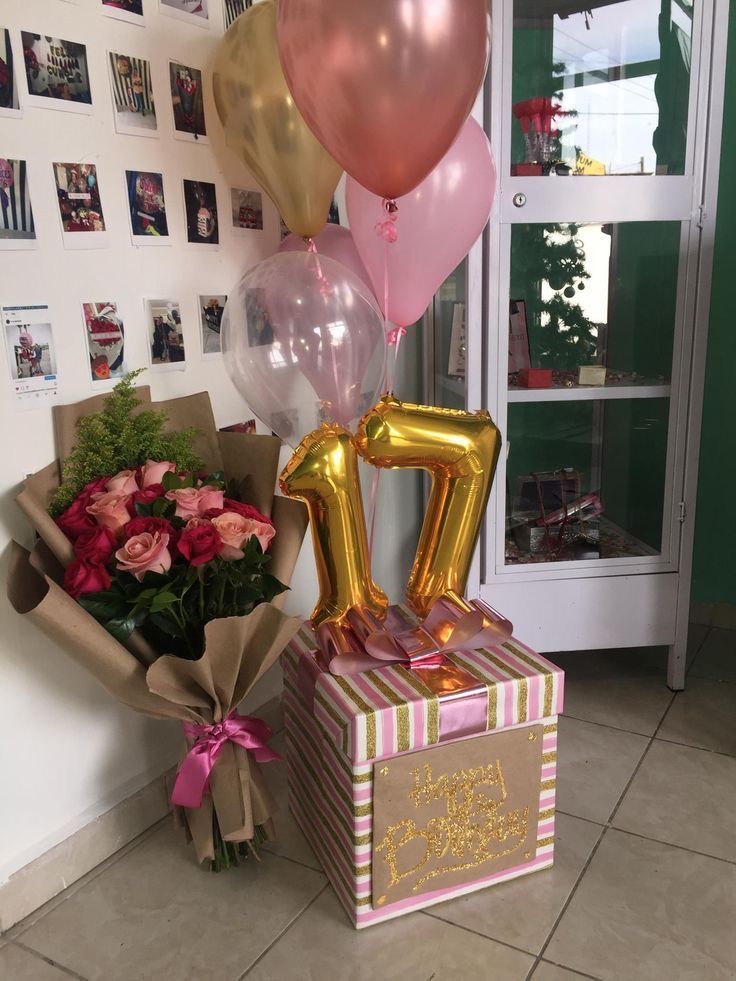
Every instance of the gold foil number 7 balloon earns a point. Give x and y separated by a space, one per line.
460 451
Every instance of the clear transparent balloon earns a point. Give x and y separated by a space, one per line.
304 342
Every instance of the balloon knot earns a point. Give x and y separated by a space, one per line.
390 206
395 335
310 244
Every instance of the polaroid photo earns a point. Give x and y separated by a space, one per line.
9 98
17 229
248 427
187 102
200 206
147 207
31 351
57 73
127 10
195 12
258 325
105 335
283 229
234 8
134 110
165 337
333 217
211 308
247 209
80 209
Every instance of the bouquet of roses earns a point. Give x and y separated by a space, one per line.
162 551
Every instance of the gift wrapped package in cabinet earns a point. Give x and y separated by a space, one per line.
415 785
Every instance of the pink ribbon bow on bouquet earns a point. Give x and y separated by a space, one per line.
192 778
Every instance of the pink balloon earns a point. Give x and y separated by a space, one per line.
436 226
384 85
335 242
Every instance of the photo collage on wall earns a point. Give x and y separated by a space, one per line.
200 204
9 101
233 9
211 309
247 209
192 11
56 70
187 102
128 10
29 343
165 335
80 208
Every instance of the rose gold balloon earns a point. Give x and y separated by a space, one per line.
385 85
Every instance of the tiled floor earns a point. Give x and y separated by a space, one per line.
643 887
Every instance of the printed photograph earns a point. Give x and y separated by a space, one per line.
16 216
56 71
105 341
211 309
31 352
187 101
200 204
9 103
333 217
132 94
129 10
146 204
248 427
283 229
165 337
78 195
233 9
195 11
247 207
260 331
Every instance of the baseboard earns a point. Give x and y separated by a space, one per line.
65 863
714 615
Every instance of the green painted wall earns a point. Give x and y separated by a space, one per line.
714 561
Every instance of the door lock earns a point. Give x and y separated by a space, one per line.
519 200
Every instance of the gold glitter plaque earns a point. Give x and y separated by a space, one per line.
450 815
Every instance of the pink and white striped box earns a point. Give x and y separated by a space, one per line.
412 792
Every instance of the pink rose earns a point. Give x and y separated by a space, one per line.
198 522
122 483
154 470
147 496
110 510
192 502
235 530
147 552
81 577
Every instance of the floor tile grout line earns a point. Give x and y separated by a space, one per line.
607 725
283 933
572 970
295 861
476 933
91 877
702 749
47 960
700 647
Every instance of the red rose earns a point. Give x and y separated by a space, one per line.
75 519
95 486
247 510
199 544
80 577
146 496
95 546
139 526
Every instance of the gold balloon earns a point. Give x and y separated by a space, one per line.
264 127
460 450
323 472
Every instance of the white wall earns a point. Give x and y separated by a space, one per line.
69 752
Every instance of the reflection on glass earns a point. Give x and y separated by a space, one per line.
594 295
601 88
449 307
585 480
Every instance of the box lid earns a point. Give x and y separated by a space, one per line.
395 709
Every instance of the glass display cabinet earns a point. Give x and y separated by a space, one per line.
580 320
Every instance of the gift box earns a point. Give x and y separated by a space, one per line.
417 784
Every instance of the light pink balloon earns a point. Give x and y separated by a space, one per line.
436 224
336 243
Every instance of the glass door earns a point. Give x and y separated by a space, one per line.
593 109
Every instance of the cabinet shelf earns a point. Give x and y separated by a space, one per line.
582 393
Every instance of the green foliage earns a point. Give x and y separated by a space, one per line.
121 438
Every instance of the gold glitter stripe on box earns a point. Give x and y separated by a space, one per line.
549 678
307 638
303 793
327 803
364 901
402 711
368 712
431 701
358 810
545 841
548 784
492 715
552 727
318 697
522 699
547 813
549 757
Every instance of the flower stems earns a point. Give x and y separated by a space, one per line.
231 853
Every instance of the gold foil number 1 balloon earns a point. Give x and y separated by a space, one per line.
460 450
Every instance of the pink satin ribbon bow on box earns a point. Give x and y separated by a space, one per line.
192 778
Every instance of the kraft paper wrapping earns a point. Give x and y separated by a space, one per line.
238 650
